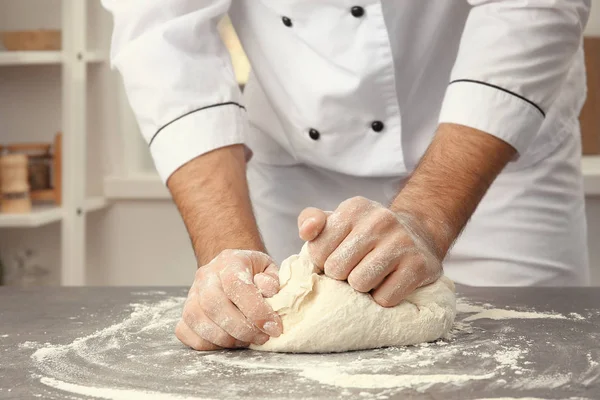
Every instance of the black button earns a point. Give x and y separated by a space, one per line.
286 21
314 134
377 126
357 11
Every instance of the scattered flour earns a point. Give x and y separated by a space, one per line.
113 394
509 357
487 311
116 361
512 398
31 345
577 316
498 313
150 293
551 381
382 381
4 336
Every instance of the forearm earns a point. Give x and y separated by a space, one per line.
451 179
211 193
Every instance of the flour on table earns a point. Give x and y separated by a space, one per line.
321 314
138 357
112 393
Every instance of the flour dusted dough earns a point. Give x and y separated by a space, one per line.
322 315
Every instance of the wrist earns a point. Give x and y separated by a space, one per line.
450 181
435 230
205 254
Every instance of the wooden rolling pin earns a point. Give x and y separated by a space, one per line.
15 187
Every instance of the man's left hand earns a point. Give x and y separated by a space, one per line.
375 249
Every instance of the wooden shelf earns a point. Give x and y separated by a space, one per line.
95 203
8 58
39 216
30 57
46 214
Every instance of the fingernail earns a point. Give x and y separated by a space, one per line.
239 344
307 223
261 339
272 328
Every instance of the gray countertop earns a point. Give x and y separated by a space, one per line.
118 343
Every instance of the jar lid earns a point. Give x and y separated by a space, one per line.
13 160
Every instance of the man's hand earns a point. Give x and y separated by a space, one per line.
392 251
225 307
372 247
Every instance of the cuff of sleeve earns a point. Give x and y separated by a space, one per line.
195 134
500 113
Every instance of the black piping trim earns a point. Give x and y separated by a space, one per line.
504 90
192 112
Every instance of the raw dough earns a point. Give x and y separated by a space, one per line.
322 315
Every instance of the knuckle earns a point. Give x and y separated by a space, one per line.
208 302
382 220
200 273
227 253
420 268
213 334
224 340
334 268
179 331
354 203
190 316
316 254
360 200
243 332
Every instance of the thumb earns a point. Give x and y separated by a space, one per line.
311 222
268 282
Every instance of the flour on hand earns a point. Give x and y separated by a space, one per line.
322 315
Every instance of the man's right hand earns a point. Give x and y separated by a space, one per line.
226 305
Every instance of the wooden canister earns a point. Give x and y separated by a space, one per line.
15 188
38 161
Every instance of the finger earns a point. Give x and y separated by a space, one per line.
311 222
268 281
195 319
348 255
248 299
219 309
337 227
399 284
272 271
191 339
256 260
373 269
266 284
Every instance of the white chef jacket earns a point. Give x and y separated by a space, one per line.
356 87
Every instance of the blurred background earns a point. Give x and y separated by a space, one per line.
98 213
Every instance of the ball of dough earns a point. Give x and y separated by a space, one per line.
322 315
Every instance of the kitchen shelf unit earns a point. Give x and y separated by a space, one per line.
75 62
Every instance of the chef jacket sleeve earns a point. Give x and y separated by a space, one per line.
178 77
513 58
